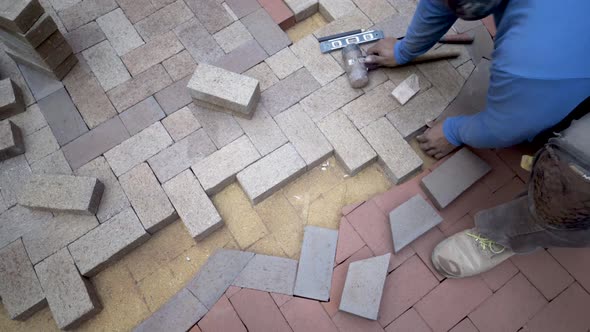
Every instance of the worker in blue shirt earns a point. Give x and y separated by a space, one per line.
540 69
540 73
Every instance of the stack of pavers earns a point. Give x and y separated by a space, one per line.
11 103
31 37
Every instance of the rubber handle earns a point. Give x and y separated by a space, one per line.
462 38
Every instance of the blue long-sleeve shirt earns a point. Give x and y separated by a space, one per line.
540 69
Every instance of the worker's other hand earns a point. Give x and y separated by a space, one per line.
382 53
434 143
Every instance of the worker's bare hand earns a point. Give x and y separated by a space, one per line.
382 53
434 143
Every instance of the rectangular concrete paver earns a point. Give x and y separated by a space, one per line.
371 106
302 132
288 92
395 154
95 142
351 21
444 77
453 177
221 127
163 20
316 263
263 74
142 115
62 193
113 198
180 65
181 123
11 99
219 169
18 16
40 144
364 285
350 147
335 9
270 36
17 221
11 140
140 87
138 148
233 36
106 65
84 12
196 210
147 198
331 97
21 292
322 66
175 96
107 243
217 274
85 37
14 174
268 274
180 313
62 116
271 173
181 155
242 58
243 7
414 115
302 9
71 297
284 63
198 42
210 12
410 220
54 163
153 52
263 131
119 31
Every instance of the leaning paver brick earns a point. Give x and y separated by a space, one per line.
233 36
107 243
350 147
179 314
106 65
414 115
270 173
217 274
331 97
263 131
322 66
453 177
181 123
371 106
11 140
406 89
148 198
316 264
244 57
228 90
220 168
139 88
302 132
363 287
410 220
221 127
119 31
210 12
113 198
268 274
62 193
142 115
396 156
20 15
21 292
163 20
43 28
138 148
11 99
175 96
153 52
284 63
71 297
84 12
288 92
196 210
302 8
334 9
266 31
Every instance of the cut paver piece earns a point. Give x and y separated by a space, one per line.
352 150
196 210
302 8
20 289
71 297
11 99
271 173
407 89
147 198
107 243
225 89
268 274
219 169
11 140
268 34
453 177
316 263
178 314
217 274
302 132
396 156
363 288
62 193
410 220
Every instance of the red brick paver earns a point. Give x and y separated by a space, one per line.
280 299
464 326
424 245
500 275
258 311
222 317
307 315
349 241
351 323
576 261
409 321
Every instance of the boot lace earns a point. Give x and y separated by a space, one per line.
486 244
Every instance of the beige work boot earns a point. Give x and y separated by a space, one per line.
467 253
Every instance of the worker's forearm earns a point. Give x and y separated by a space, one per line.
431 21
